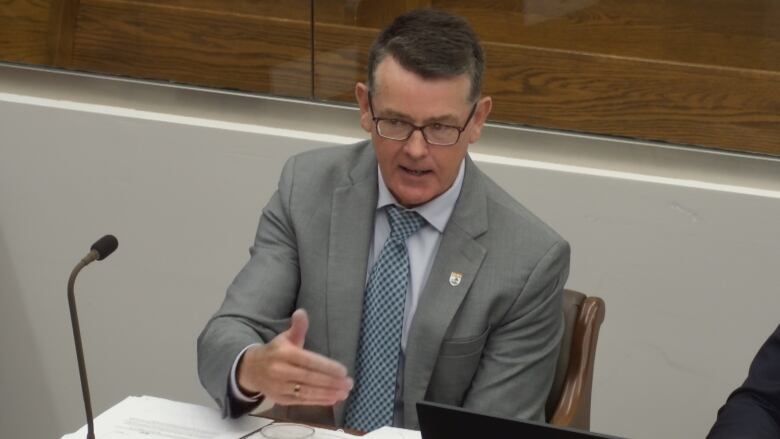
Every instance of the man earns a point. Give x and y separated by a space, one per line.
753 410
420 277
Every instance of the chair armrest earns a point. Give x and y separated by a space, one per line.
573 408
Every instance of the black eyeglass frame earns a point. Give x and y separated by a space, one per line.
419 128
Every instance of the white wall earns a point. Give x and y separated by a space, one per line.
688 269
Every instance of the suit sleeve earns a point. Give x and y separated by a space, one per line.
518 362
753 410
259 302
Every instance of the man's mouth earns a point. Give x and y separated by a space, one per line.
415 172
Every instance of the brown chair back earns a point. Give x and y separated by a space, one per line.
568 404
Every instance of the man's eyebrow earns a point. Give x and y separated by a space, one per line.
390 113
449 119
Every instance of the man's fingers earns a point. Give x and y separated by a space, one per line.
298 328
316 362
302 394
277 368
292 364
291 400
296 335
284 373
312 379
310 393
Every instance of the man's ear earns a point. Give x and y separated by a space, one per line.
484 105
361 95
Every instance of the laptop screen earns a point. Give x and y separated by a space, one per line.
439 421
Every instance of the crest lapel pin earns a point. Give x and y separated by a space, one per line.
455 278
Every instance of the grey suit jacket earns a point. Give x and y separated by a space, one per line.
489 343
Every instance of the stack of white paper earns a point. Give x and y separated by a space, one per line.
148 417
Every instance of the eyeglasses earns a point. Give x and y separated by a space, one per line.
435 133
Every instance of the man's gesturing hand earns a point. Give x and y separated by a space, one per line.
288 374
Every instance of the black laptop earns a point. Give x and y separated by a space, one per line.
439 421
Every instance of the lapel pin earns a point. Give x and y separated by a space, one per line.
455 278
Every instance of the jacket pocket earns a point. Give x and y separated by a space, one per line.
463 347
456 365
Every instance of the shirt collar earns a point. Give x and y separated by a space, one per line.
437 211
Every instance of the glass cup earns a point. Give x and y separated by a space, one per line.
285 430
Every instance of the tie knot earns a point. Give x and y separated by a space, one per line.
403 222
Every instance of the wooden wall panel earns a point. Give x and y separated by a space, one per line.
666 71
678 71
731 33
146 40
363 13
725 108
289 9
24 30
62 27
340 58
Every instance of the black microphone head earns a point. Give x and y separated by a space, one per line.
105 246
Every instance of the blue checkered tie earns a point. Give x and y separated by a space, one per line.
371 404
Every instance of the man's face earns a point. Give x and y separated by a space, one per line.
414 171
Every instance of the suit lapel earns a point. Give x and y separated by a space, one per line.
458 252
351 230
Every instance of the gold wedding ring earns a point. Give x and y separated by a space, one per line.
297 390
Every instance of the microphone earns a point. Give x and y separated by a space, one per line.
100 250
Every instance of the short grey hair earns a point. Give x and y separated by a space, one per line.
433 44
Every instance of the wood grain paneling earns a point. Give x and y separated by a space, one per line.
62 28
726 108
732 33
141 39
289 9
363 13
684 71
717 107
24 30
340 58
678 72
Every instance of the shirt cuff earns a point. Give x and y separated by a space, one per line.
235 391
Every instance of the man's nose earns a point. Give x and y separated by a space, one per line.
416 146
